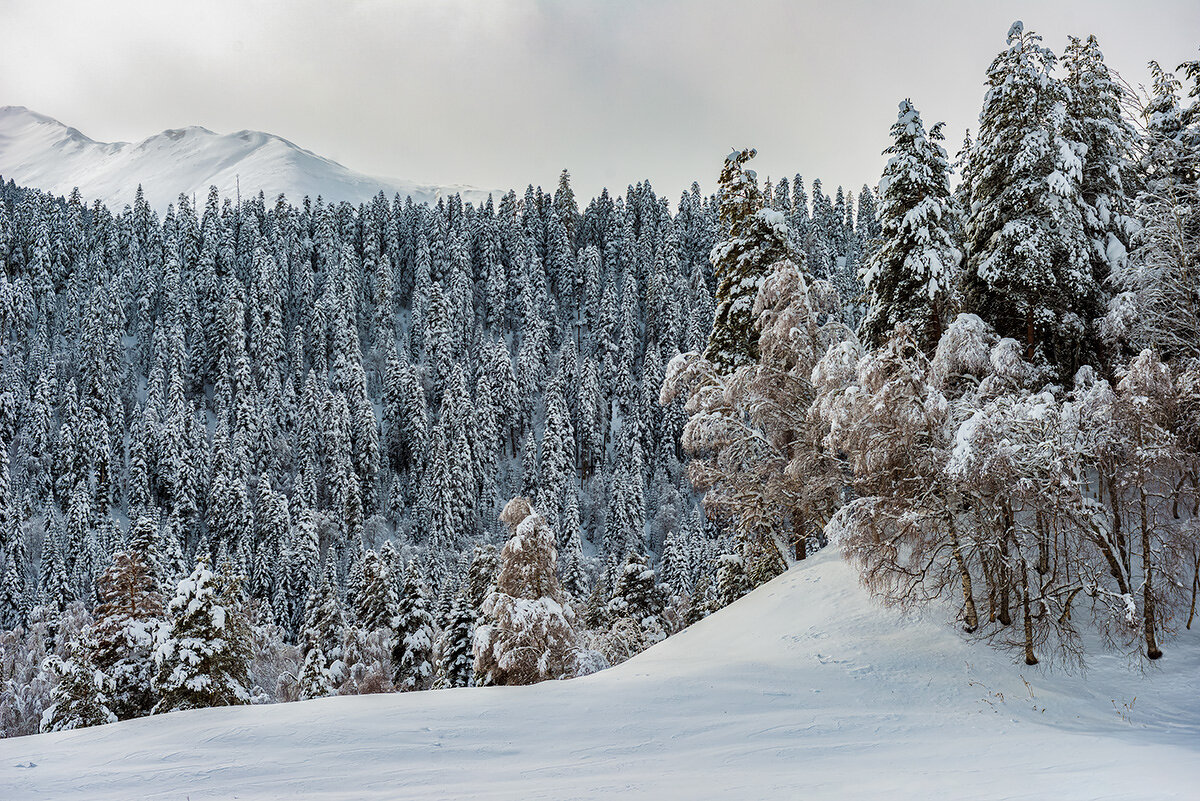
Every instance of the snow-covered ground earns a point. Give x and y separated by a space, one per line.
40 151
803 689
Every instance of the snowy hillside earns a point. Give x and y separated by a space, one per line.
39 151
803 689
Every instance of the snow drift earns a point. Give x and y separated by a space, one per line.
805 688
40 151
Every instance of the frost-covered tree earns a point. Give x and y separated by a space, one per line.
755 238
635 592
732 580
556 461
481 574
375 601
315 680
324 617
127 618
412 652
754 452
910 277
895 429
202 655
1029 272
570 567
1158 305
455 660
528 634
1095 119
81 696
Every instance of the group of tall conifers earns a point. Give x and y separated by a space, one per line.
1015 417
1043 215
512 623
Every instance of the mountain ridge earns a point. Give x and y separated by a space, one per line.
40 151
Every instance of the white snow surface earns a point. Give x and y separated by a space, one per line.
39 151
806 688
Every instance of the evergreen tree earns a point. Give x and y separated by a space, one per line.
1095 120
911 275
412 652
732 581
866 224
756 238
1028 269
54 587
626 522
127 617
557 458
203 654
324 618
571 569
81 697
675 562
529 630
454 656
375 603
635 592
481 575
315 680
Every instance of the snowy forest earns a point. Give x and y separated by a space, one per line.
258 452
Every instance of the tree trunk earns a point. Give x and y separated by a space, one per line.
1195 586
1005 615
1029 338
1043 565
1030 659
1118 532
1115 567
799 536
969 611
1152 651
1065 617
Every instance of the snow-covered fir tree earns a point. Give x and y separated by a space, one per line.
81 697
910 278
413 632
315 680
202 655
636 593
127 619
1029 271
755 238
528 634
455 658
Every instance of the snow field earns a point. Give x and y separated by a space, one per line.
805 688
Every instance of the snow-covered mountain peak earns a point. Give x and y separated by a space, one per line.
40 151
175 134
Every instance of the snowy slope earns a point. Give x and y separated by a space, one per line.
39 151
803 689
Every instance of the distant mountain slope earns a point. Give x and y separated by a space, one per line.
41 152
804 689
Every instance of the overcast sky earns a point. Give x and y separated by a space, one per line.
501 93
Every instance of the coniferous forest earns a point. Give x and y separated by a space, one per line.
258 451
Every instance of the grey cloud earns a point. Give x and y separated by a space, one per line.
506 92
